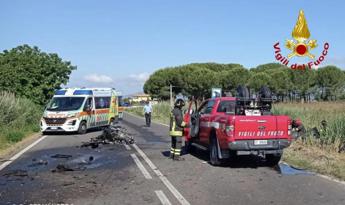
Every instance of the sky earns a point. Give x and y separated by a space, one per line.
120 43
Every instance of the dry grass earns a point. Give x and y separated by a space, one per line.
324 154
321 160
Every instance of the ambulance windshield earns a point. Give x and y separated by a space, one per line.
65 103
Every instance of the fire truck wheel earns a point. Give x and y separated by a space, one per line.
82 128
273 159
214 158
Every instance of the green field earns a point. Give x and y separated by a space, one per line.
19 117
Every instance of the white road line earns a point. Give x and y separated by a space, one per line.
16 156
164 200
127 147
165 181
141 167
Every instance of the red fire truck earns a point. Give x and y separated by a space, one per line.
231 126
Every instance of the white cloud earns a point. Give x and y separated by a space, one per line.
98 78
140 77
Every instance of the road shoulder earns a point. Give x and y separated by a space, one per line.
17 147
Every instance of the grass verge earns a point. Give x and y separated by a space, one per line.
160 112
19 117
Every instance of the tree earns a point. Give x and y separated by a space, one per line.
331 81
230 79
257 80
29 72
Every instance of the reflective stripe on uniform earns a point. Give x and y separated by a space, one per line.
177 151
175 133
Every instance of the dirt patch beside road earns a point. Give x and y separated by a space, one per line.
5 154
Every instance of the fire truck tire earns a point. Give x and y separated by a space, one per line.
82 128
214 158
273 159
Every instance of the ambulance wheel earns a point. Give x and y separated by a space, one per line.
82 128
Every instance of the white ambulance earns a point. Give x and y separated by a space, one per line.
78 109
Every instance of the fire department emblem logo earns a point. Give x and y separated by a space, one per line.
301 46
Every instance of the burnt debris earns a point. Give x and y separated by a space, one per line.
61 156
113 134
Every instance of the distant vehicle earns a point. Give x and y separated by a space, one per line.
78 109
126 104
230 126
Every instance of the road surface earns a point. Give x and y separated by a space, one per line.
142 174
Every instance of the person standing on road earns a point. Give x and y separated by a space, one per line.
147 113
176 130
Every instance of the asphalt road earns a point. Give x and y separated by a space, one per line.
142 174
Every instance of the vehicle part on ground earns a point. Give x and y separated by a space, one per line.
64 156
16 173
38 163
62 168
110 135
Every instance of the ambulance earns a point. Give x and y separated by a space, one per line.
78 109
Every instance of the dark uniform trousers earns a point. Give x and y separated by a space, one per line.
176 146
176 132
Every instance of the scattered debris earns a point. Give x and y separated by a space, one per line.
315 133
341 148
110 135
16 173
38 163
68 183
62 168
91 158
63 156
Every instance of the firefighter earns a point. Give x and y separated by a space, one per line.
176 129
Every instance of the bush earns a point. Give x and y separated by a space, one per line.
15 136
18 116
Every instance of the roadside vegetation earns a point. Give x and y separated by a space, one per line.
322 149
28 80
19 117
323 152
160 112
